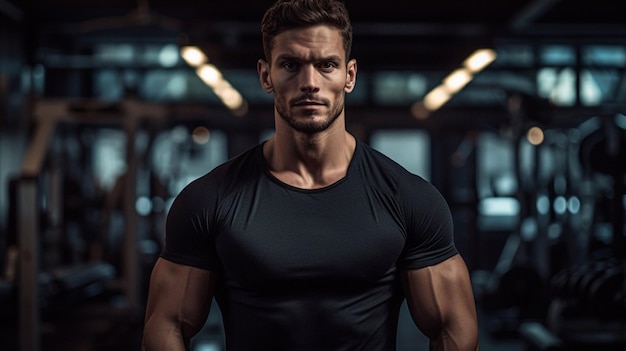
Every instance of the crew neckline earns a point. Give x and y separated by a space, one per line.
274 179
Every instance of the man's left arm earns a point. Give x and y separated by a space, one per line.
442 305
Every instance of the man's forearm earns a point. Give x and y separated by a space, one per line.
163 338
464 339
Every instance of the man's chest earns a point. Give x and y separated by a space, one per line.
277 235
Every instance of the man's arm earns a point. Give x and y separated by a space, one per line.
442 305
179 301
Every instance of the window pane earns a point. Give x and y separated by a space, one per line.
398 87
557 55
604 55
177 159
597 86
496 185
410 148
514 55
558 85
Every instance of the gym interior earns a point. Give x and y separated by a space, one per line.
515 110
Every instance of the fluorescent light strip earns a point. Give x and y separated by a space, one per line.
212 77
193 56
454 82
480 59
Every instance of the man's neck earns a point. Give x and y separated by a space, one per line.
310 161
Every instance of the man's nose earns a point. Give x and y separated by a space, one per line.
309 79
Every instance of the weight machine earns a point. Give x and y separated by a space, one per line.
38 189
588 297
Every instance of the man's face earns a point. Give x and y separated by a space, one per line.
309 77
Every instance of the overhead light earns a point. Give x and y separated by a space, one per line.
209 74
212 77
456 80
193 56
436 98
229 95
480 59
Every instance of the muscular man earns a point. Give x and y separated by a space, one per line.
311 240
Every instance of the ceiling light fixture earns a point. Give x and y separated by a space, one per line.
193 56
453 83
436 98
213 78
480 59
456 80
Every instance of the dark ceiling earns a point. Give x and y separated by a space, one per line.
429 37
396 34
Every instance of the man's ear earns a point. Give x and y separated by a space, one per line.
350 76
263 68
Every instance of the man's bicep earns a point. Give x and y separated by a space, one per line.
179 296
441 302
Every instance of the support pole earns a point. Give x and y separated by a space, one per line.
130 252
28 243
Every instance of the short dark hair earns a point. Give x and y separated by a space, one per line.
290 14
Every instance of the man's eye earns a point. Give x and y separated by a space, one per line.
290 66
327 66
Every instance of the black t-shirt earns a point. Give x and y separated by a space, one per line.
302 269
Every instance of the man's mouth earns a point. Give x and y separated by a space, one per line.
307 100
309 103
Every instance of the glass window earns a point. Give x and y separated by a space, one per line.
108 85
109 156
557 55
398 87
598 85
557 85
496 179
165 55
495 163
499 206
604 55
514 55
116 54
410 148
170 85
177 159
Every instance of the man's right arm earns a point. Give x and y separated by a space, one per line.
179 301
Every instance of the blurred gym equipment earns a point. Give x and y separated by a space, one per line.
56 269
587 309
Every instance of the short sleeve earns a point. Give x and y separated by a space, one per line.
429 225
188 237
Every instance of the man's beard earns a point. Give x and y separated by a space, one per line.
309 126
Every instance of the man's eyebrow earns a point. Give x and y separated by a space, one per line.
331 58
285 57
290 57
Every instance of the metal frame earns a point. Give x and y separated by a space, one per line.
48 113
